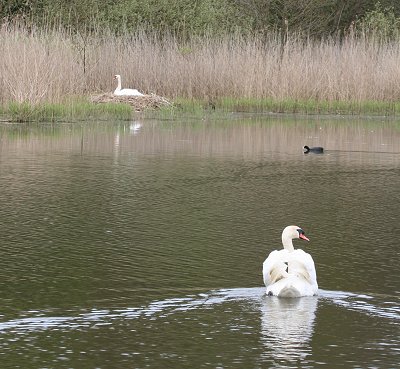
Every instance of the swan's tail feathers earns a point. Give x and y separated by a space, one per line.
286 291
292 286
289 291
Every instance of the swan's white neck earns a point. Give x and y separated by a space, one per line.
287 243
118 84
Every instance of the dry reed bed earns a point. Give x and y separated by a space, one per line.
38 66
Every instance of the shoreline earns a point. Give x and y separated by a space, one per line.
82 109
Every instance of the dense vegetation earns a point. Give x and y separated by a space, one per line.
320 18
333 56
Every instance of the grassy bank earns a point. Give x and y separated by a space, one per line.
311 106
195 108
199 108
75 110
41 68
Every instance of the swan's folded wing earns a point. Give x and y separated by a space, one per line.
311 269
274 268
302 264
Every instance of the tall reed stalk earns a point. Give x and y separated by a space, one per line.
51 65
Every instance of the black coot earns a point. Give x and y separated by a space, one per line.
315 150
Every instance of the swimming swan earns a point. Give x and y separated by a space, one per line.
290 272
126 91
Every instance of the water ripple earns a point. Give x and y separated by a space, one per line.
367 304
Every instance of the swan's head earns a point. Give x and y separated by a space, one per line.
117 76
292 232
306 149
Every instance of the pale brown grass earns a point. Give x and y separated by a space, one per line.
38 66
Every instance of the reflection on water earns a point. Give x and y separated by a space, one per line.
287 327
254 137
135 127
112 234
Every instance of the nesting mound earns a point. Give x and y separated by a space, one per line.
138 103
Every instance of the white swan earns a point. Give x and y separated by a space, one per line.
290 272
126 91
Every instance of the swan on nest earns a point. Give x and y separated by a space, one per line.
125 91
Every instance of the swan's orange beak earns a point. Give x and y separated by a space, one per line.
301 235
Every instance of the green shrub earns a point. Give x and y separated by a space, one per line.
380 23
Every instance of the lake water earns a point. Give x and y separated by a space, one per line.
140 245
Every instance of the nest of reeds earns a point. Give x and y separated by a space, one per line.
138 103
